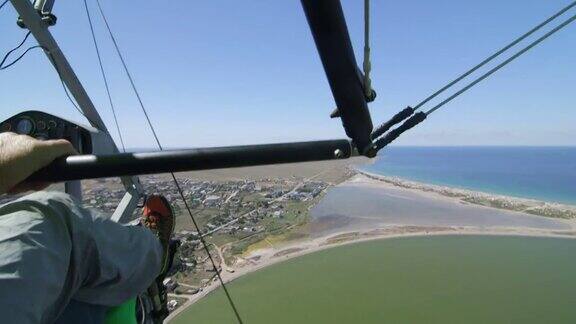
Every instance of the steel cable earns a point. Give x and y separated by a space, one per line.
104 75
407 112
421 116
496 54
176 183
501 65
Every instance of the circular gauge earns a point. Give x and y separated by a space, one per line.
25 126
40 125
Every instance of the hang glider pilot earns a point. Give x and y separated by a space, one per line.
59 260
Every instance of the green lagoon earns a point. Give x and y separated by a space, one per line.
440 279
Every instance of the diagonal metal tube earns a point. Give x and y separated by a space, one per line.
328 26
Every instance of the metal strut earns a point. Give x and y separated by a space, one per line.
33 20
328 27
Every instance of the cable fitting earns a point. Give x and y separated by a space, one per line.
399 117
393 134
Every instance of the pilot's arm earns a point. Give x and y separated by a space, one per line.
22 155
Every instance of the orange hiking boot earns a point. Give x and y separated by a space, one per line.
158 216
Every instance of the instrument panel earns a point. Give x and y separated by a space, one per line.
43 126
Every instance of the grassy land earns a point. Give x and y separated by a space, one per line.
252 231
291 228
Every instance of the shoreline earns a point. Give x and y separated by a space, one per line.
273 256
264 257
525 205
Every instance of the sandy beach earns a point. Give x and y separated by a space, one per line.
383 208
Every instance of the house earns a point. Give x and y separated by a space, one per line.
211 201
172 304
170 284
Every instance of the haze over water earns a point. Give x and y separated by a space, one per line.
542 173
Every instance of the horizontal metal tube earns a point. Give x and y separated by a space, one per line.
125 164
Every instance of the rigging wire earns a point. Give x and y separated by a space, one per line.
67 92
3 3
421 116
367 65
496 54
3 67
407 112
104 75
128 75
176 183
501 65
12 51
51 57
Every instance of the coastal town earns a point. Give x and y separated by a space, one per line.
252 218
232 216
238 211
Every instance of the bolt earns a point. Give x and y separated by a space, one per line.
338 154
371 152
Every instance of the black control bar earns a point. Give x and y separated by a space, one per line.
80 167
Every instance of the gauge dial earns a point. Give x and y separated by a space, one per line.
25 126
40 125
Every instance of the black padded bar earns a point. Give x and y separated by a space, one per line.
330 32
126 164
393 134
398 118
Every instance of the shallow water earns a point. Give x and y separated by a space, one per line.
372 207
442 279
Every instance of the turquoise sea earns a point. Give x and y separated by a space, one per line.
543 173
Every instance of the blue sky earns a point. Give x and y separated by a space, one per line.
240 72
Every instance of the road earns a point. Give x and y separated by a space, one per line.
298 186
224 266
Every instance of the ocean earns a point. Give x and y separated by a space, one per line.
542 173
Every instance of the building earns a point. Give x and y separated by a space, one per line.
170 284
172 304
212 201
